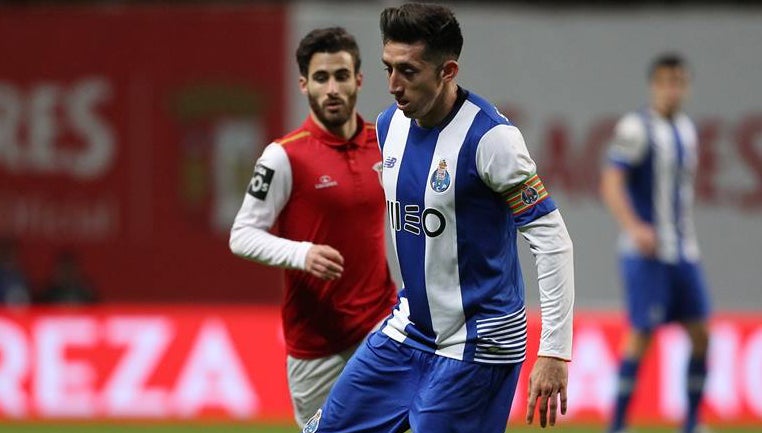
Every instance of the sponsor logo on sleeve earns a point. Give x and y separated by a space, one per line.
260 182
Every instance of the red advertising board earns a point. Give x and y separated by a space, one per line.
171 362
143 362
128 134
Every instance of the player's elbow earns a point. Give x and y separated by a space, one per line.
604 186
562 242
611 183
235 243
567 245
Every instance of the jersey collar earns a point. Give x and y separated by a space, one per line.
325 137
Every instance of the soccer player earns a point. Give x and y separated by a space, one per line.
459 186
320 184
647 185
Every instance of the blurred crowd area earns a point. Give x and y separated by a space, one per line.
66 284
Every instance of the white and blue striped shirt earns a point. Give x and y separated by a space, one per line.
456 195
660 157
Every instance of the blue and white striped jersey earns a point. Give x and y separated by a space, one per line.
456 194
660 157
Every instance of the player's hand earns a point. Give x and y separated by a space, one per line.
324 262
547 383
644 237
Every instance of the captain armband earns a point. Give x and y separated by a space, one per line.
526 195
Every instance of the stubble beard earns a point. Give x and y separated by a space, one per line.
337 119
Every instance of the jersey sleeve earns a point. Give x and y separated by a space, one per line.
552 249
268 192
629 145
504 164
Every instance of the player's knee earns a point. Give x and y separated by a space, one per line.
699 336
638 343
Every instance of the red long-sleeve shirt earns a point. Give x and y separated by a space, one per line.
320 189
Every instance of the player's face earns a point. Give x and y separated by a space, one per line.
669 88
331 87
416 83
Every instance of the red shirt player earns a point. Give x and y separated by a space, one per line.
320 184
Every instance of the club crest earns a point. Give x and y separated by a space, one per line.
312 424
440 178
529 195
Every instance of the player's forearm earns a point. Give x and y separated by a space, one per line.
615 198
261 246
554 257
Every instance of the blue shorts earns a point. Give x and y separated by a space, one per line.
388 387
659 292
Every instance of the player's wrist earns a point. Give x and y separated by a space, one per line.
632 224
558 358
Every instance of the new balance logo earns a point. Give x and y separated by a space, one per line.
389 162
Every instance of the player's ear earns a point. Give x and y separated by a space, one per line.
450 70
358 79
303 84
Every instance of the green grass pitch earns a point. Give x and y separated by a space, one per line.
167 427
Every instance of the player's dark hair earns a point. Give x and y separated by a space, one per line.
666 60
327 40
432 24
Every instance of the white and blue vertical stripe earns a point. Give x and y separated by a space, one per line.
660 178
463 294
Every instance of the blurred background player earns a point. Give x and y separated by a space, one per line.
459 183
320 184
648 187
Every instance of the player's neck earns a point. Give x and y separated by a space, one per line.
347 130
441 108
665 111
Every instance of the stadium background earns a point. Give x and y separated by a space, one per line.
128 132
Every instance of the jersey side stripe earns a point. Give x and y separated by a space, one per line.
293 138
